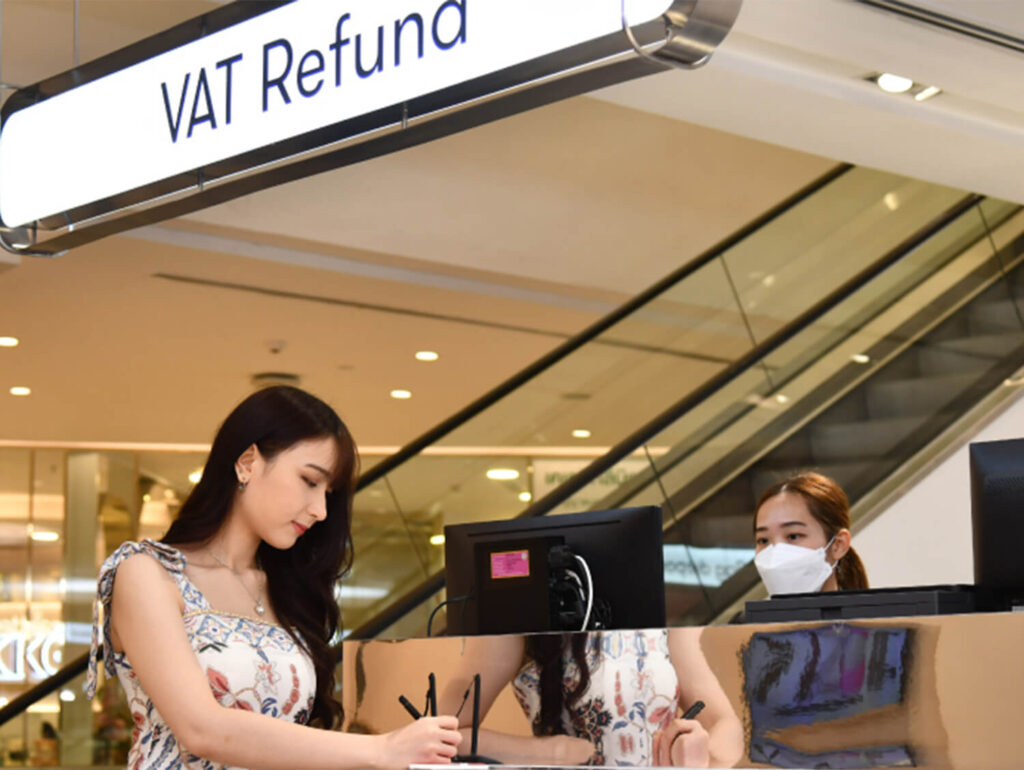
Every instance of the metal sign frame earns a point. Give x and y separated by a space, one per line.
596 63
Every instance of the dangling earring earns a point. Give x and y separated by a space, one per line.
242 485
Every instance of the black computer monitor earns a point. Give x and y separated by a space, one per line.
997 514
529 575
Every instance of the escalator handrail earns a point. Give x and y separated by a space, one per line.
474 408
36 693
404 604
417 595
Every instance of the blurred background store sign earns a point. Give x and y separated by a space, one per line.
548 474
252 84
31 655
690 565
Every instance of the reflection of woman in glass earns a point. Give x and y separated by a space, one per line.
606 698
220 634
802 537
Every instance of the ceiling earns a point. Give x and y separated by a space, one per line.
791 72
490 246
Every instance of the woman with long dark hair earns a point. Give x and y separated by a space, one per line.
802 537
221 632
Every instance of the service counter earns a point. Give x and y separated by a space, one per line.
931 692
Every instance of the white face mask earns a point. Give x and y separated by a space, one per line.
792 569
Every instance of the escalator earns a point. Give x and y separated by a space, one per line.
887 391
876 357
844 330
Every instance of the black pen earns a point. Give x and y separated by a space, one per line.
694 710
432 695
409 707
465 698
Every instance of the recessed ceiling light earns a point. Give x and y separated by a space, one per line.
8 342
68 696
894 84
927 93
426 355
400 394
45 536
581 433
19 390
502 474
860 358
525 497
437 539
891 201
782 398
147 497
195 476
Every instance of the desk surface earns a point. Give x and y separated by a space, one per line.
930 692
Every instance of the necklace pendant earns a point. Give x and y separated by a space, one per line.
259 608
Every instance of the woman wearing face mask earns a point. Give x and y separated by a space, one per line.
802 537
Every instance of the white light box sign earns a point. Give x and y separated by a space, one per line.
297 68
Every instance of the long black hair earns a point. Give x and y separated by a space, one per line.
548 652
300 580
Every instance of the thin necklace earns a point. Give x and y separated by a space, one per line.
258 606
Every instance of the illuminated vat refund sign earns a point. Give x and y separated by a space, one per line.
281 74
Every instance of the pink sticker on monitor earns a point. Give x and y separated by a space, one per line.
510 564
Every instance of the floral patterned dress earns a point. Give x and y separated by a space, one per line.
250 664
633 693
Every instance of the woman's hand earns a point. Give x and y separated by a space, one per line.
430 740
684 743
571 751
